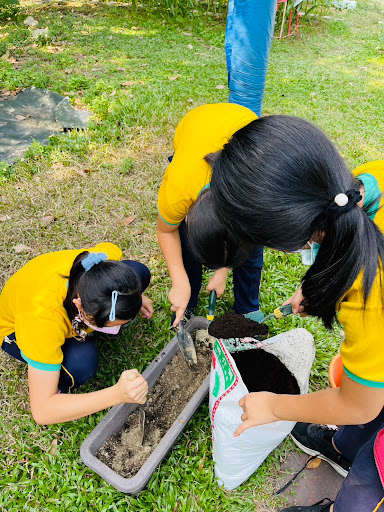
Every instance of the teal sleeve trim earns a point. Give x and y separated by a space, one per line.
41 366
207 186
372 193
169 223
364 382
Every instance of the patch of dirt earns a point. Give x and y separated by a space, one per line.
174 388
232 325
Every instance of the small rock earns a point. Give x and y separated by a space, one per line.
31 22
204 338
40 32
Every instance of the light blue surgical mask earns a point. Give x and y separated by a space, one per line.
308 256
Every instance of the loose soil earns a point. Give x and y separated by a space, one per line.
262 371
232 325
172 391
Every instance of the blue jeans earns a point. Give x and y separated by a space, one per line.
246 278
362 489
80 358
248 41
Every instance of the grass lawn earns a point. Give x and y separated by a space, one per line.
93 181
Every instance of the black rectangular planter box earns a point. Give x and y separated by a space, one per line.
115 419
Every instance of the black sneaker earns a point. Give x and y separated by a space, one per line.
317 440
188 314
317 507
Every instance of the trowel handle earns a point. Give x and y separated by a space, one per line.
212 305
131 377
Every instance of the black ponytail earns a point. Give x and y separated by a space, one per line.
95 287
274 183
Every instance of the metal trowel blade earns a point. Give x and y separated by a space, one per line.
142 421
186 345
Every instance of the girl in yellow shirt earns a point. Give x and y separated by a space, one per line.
280 182
48 308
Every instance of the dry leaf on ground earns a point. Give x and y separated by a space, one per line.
313 464
21 247
45 221
220 86
173 77
128 83
53 447
129 220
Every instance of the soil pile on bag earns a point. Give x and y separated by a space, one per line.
262 371
232 325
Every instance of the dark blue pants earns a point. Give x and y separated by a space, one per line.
246 278
80 358
362 489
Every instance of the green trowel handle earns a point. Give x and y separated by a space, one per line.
212 305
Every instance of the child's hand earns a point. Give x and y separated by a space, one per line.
147 307
296 300
132 388
258 410
179 297
218 281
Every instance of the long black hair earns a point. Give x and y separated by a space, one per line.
95 287
274 184
211 243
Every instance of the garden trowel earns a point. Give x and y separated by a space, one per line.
211 306
141 408
186 345
279 312
282 311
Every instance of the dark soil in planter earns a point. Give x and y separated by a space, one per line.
262 371
171 393
232 325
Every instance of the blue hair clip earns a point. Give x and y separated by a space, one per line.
92 259
112 314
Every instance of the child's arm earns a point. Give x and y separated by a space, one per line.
170 245
49 407
351 404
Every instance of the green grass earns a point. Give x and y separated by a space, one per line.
90 181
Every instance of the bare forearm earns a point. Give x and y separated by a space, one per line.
170 246
60 408
324 407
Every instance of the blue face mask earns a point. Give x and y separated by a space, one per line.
308 256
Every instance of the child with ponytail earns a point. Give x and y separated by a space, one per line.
281 183
47 310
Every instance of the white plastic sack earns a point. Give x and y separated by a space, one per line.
236 458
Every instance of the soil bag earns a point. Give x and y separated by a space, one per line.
292 352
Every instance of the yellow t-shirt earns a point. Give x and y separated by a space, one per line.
31 306
202 131
362 351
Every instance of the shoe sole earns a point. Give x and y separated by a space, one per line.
342 472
